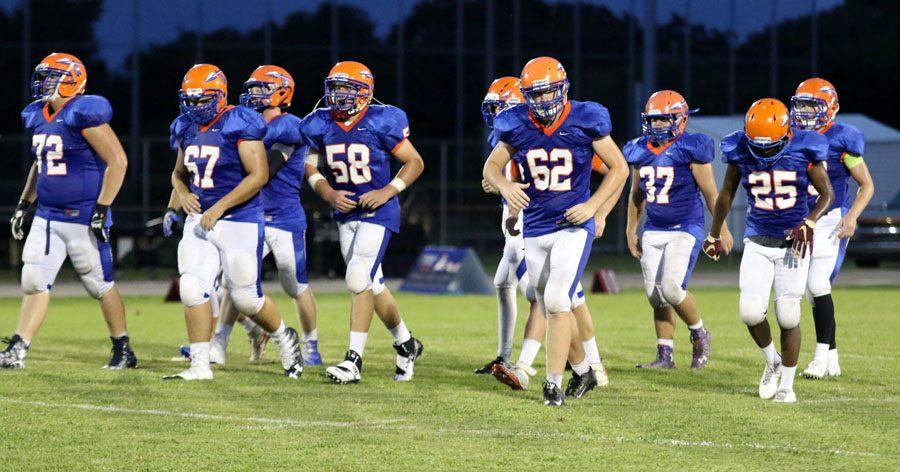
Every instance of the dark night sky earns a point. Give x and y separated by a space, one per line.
161 20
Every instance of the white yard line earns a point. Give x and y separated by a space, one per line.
391 424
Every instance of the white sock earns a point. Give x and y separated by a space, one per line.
278 333
399 332
771 354
223 334
821 351
696 326
120 335
312 335
506 320
358 341
666 342
200 354
787 378
832 354
582 367
555 379
530 350
591 352
248 324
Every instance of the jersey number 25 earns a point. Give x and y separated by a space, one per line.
774 190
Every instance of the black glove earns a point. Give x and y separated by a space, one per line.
98 222
19 219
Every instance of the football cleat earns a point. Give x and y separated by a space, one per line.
291 355
664 359
579 385
700 340
517 377
768 384
347 371
785 395
122 356
194 372
407 353
489 367
553 396
600 374
184 354
217 350
834 368
13 357
816 369
258 339
311 354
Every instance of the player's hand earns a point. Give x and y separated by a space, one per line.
340 201
634 244
375 198
514 194
488 188
19 218
847 227
599 226
580 213
713 247
727 240
170 219
802 237
98 222
210 217
190 203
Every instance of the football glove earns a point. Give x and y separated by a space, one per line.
802 237
510 224
712 247
98 222
19 218
170 219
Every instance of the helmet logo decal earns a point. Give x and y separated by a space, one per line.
212 76
366 74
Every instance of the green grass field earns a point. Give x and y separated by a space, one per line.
64 413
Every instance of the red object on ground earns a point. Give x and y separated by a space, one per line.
605 281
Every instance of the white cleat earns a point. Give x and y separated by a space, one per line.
217 351
768 384
517 377
834 368
347 371
816 369
192 373
291 356
785 396
600 374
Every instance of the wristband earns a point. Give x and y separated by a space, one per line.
810 223
314 179
398 184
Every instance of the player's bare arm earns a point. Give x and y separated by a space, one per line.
713 246
253 158
105 143
636 202
412 168
180 175
174 201
860 174
493 173
607 207
819 178
703 175
338 199
26 201
610 188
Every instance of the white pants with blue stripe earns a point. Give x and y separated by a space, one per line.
555 264
48 244
362 246
828 254
667 260
289 250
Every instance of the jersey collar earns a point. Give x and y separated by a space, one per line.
548 130
213 121
46 109
657 150
348 125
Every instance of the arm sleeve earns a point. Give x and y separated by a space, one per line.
703 149
310 130
244 124
90 111
175 134
395 128
853 141
596 122
729 147
817 150
630 151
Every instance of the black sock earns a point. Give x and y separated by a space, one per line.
833 344
823 315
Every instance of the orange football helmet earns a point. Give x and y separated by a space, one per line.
819 95
349 88
665 105
204 93
503 93
767 125
274 88
540 76
58 75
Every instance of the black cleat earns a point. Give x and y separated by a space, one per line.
407 353
489 367
552 394
13 357
122 356
579 385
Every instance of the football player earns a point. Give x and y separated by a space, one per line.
504 93
554 139
813 107
269 91
78 169
356 140
220 169
775 165
672 178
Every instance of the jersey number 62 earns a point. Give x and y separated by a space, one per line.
556 178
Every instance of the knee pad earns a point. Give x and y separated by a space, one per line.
192 291
378 287
301 288
656 298
247 299
358 277
672 292
33 280
557 303
96 287
753 309
787 311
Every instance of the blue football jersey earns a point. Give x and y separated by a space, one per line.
282 194
211 157
357 156
556 160
673 199
70 173
842 139
776 194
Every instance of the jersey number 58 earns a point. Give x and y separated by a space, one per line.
354 168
